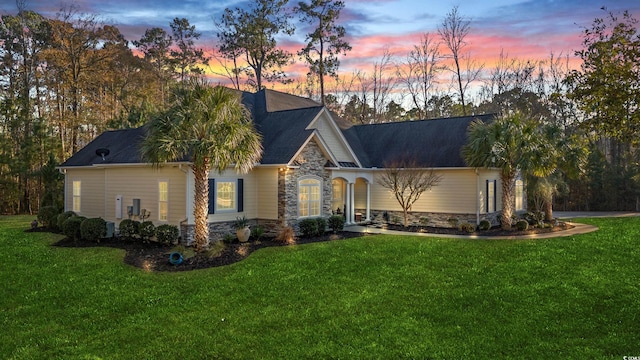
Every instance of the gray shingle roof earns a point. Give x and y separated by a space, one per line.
282 120
122 146
431 143
283 133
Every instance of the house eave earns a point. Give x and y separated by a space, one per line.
94 166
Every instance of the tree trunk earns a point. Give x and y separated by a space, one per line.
507 200
548 209
201 209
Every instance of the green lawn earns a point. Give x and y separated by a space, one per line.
376 297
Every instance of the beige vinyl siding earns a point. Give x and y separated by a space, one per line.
333 140
266 190
260 194
91 191
142 183
99 187
456 193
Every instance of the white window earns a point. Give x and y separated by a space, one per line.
491 196
163 200
76 196
519 195
309 198
337 190
226 195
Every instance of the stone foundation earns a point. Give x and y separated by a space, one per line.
428 219
218 230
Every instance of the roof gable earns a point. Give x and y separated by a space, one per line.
284 133
329 132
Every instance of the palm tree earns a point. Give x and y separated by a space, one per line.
511 143
567 160
210 127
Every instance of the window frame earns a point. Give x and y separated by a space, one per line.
162 202
519 194
234 197
318 184
76 196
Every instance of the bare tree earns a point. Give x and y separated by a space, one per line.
407 181
382 85
453 31
419 73
229 71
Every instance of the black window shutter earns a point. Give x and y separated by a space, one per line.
486 197
212 196
495 194
240 195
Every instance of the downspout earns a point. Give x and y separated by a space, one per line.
477 197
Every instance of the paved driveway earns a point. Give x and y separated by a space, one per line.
587 214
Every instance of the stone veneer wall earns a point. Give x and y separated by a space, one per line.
434 219
218 230
311 161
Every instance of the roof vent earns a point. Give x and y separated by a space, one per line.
102 152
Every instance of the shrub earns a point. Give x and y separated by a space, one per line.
522 225
453 222
484 225
285 235
64 216
336 223
257 232
395 219
308 227
93 229
147 230
71 227
48 216
129 228
468 228
228 238
167 234
322 226
216 248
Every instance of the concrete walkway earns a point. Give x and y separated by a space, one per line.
577 230
588 214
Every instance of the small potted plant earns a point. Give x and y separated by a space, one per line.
242 229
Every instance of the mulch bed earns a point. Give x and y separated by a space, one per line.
154 256
495 231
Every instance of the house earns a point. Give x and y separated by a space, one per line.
314 164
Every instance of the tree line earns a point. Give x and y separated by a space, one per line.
66 79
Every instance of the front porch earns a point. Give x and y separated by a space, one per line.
351 195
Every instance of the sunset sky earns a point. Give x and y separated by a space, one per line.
527 29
